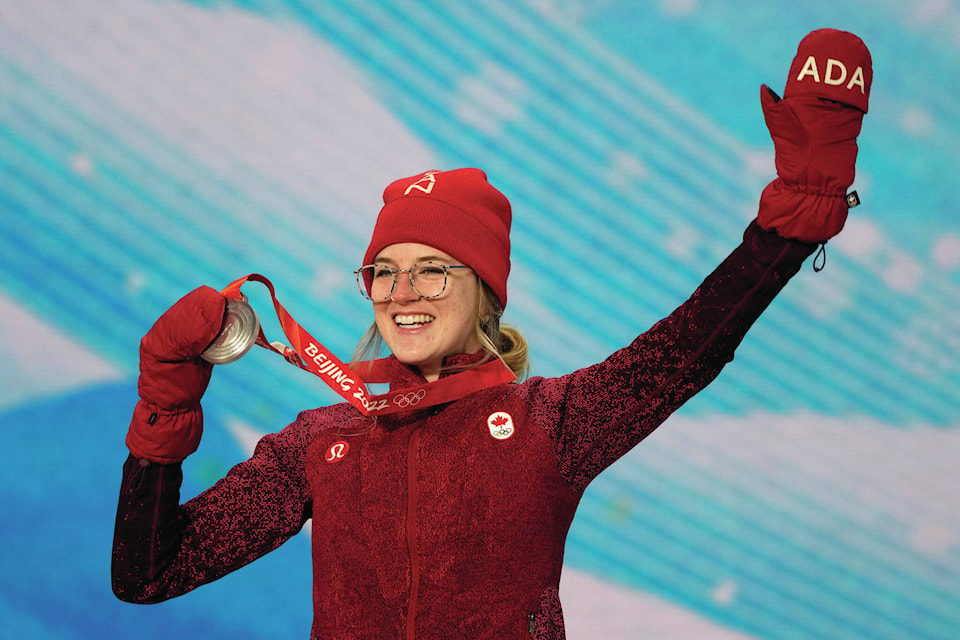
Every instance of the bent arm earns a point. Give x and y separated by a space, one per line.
162 549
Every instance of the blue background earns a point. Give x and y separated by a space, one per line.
148 147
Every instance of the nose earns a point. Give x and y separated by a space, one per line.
403 290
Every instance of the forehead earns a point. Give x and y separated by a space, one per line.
412 252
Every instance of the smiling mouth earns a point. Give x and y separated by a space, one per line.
413 321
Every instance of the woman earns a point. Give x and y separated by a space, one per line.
447 517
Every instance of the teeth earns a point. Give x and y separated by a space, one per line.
413 321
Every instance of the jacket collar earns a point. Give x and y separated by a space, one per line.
403 375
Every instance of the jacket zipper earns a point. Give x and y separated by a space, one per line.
532 617
413 534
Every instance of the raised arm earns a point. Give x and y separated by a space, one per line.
597 414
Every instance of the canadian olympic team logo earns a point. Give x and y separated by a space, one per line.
500 424
411 399
337 451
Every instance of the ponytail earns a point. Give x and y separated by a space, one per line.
501 341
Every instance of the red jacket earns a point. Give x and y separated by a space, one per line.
447 522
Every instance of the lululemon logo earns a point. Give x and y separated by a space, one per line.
500 425
411 399
424 184
337 451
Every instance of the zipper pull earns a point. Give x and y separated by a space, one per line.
532 617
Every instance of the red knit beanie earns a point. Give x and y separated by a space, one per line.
457 212
832 64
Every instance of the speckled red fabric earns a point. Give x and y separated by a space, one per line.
447 522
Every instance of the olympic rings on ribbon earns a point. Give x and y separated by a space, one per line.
409 399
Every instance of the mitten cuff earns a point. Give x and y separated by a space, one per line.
809 216
164 436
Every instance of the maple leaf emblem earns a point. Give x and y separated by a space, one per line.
500 425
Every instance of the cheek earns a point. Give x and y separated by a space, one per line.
466 320
381 318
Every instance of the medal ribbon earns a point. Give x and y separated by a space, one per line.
310 355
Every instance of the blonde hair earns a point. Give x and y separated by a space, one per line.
497 340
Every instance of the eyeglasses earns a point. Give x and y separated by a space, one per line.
428 279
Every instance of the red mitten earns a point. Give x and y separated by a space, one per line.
168 421
814 130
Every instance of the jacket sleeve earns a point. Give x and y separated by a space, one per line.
162 549
597 414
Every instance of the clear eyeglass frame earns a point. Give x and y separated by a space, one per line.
422 270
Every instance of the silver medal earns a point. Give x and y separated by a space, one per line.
239 333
